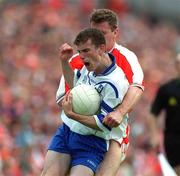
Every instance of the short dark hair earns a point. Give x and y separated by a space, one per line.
95 35
104 15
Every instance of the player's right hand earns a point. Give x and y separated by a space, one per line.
65 52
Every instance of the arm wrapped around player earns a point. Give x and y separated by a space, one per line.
112 97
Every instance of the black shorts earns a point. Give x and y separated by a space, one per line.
172 149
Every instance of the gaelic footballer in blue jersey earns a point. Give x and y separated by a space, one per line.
81 142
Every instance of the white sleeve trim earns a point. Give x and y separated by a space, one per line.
137 85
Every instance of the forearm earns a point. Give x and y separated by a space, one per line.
85 120
68 73
131 98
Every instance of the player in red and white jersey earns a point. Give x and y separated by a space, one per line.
106 21
125 59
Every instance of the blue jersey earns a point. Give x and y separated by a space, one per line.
112 92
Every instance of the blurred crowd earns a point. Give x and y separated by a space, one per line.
30 35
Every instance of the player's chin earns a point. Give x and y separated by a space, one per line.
88 66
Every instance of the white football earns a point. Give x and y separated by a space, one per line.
86 99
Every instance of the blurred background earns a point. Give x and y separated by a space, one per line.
31 32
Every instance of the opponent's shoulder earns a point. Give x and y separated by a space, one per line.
124 51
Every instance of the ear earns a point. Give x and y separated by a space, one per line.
116 32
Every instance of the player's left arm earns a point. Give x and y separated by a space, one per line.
135 77
136 81
131 98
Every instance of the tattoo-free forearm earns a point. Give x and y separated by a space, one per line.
131 98
85 120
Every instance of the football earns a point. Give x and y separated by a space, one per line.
85 99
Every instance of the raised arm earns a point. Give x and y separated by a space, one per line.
66 52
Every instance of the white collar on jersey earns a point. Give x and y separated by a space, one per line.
110 51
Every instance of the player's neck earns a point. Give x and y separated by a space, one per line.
105 63
109 50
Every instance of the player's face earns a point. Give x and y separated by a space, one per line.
109 35
90 55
